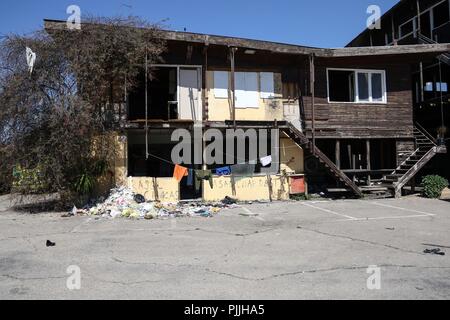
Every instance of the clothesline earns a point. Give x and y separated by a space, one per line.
174 164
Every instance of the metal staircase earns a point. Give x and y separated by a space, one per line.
426 149
445 57
305 143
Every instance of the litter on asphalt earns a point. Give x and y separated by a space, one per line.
123 202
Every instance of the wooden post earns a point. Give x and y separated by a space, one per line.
418 32
312 89
338 154
421 83
393 28
146 106
205 97
233 87
369 167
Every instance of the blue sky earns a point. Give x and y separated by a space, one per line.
321 23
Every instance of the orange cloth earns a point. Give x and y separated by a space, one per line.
179 172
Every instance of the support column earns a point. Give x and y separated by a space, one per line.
369 166
312 91
338 154
233 86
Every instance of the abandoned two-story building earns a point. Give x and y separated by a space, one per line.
417 22
337 119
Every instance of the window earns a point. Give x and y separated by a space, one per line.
267 87
246 89
221 84
359 86
341 85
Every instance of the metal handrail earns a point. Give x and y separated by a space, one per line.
426 133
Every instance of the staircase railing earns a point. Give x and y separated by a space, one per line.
413 170
426 133
330 164
407 159
444 57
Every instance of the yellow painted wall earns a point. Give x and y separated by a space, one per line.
269 109
168 188
120 163
291 156
247 189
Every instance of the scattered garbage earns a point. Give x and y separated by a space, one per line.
435 251
228 200
50 244
139 198
123 202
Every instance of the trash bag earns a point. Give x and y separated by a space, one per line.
227 200
139 198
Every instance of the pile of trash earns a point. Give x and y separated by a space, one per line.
123 202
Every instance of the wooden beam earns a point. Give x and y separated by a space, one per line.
312 91
205 100
368 164
233 86
59 25
338 154
418 18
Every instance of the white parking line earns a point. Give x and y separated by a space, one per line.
404 209
329 211
393 217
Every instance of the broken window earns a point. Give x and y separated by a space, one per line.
363 86
341 85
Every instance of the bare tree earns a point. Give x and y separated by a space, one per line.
50 118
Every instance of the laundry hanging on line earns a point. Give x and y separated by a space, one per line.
190 178
224 171
265 161
244 169
179 172
203 175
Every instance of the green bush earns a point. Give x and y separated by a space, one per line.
433 186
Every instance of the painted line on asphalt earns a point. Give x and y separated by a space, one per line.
329 211
394 217
403 209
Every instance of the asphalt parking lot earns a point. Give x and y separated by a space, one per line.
283 250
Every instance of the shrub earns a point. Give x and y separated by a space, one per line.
433 186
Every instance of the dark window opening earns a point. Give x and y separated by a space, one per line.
441 14
162 96
341 86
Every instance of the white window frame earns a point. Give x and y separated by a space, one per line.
356 71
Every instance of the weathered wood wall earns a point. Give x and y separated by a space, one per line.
363 120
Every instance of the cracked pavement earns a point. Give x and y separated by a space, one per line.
283 250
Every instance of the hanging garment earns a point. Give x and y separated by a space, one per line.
190 178
31 59
225 171
179 172
244 169
265 161
203 175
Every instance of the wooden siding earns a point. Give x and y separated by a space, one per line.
358 120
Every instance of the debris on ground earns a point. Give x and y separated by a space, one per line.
123 202
50 244
435 251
